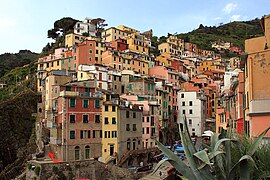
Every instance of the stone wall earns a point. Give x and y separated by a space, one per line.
91 169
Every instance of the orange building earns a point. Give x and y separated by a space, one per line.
257 84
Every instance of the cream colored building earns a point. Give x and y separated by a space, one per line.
73 39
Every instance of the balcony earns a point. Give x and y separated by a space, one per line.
55 141
69 93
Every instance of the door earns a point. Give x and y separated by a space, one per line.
111 150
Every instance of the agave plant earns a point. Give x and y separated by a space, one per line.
214 162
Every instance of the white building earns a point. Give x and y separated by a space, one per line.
85 27
97 71
193 105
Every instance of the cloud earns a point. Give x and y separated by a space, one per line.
7 23
229 8
217 19
235 17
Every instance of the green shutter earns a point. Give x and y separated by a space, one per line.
72 102
97 105
130 87
85 103
149 86
74 57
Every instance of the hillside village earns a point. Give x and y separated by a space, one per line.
105 96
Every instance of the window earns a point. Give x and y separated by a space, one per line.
81 134
90 59
91 44
149 86
100 133
183 103
87 152
72 118
134 127
113 120
113 108
127 127
105 134
106 108
134 114
72 102
184 111
96 51
182 95
107 97
85 103
190 121
114 134
190 103
97 104
97 118
109 134
152 121
147 130
147 119
94 133
72 134
77 153
190 111
106 120
88 134
142 119
85 118
130 87
143 130
90 51
74 57
127 114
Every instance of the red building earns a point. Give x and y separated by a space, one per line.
77 133
119 44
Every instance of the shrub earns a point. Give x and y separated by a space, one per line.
29 166
37 170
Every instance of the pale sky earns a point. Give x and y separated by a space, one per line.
24 23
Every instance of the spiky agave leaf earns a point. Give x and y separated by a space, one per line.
190 149
257 142
244 172
178 164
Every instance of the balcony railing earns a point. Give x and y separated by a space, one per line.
55 141
69 93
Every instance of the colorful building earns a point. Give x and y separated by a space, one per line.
77 130
122 128
257 84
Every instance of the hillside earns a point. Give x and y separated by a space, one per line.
234 32
17 103
10 61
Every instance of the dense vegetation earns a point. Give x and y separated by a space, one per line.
10 61
234 32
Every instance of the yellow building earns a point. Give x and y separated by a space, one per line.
113 34
126 61
138 43
128 29
172 46
109 128
73 39
212 65
165 59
